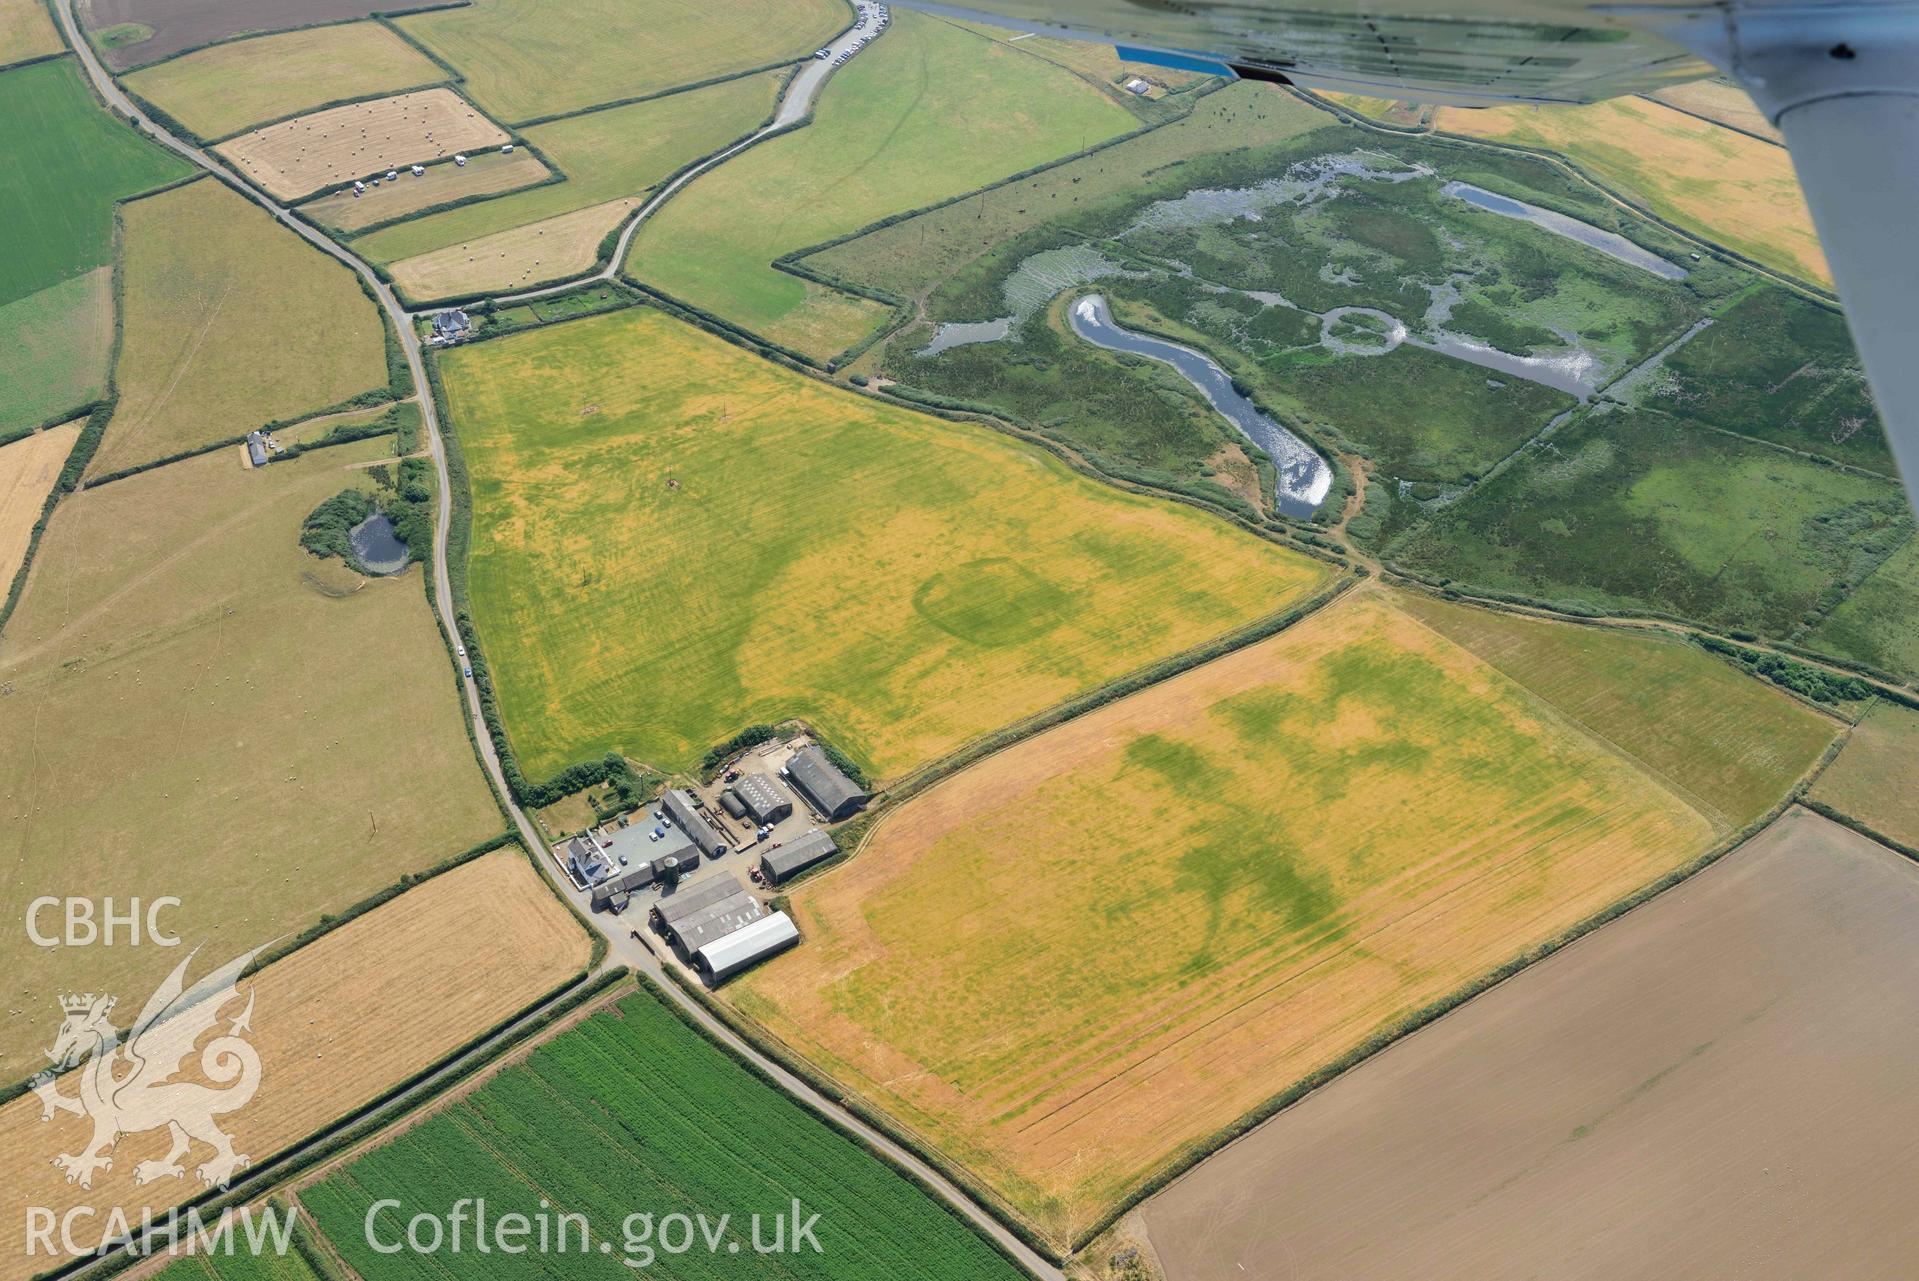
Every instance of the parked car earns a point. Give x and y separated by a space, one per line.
824 53
466 670
460 650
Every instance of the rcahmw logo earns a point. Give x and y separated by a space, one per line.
131 1088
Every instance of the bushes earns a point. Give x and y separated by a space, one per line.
324 532
1802 679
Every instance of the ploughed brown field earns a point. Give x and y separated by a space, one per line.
1718 1084
187 24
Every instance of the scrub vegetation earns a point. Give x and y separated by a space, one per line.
634 1110
1248 247
276 726
67 161
232 322
221 90
1641 511
673 539
1878 622
1732 189
521 63
340 1021
927 112
1174 907
1779 368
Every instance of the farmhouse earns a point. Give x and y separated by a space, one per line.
721 960
760 797
450 326
585 860
830 792
683 808
794 857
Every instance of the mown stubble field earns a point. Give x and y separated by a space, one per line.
1710 1087
361 139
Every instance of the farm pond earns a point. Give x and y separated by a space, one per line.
377 546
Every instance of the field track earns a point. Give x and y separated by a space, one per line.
1717 1069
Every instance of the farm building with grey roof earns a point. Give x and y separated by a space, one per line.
796 856
830 792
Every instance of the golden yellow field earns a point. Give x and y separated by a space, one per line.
361 140
757 545
219 716
1068 963
1725 186
1716 100
336 1023
222 89
26 31
232 321
539 251
28 468
483 175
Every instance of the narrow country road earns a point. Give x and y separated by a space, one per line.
794 106
623 948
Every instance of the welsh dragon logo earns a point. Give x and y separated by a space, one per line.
130 1088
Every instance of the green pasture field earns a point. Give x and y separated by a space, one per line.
1173 908
54 347
1872 779
927 111
1643 511
911 257
1783 369
1729 745
634 1111
240 1263
1878 622
674 539
620 151
521 64
231 322
227 719
222 89
67 161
